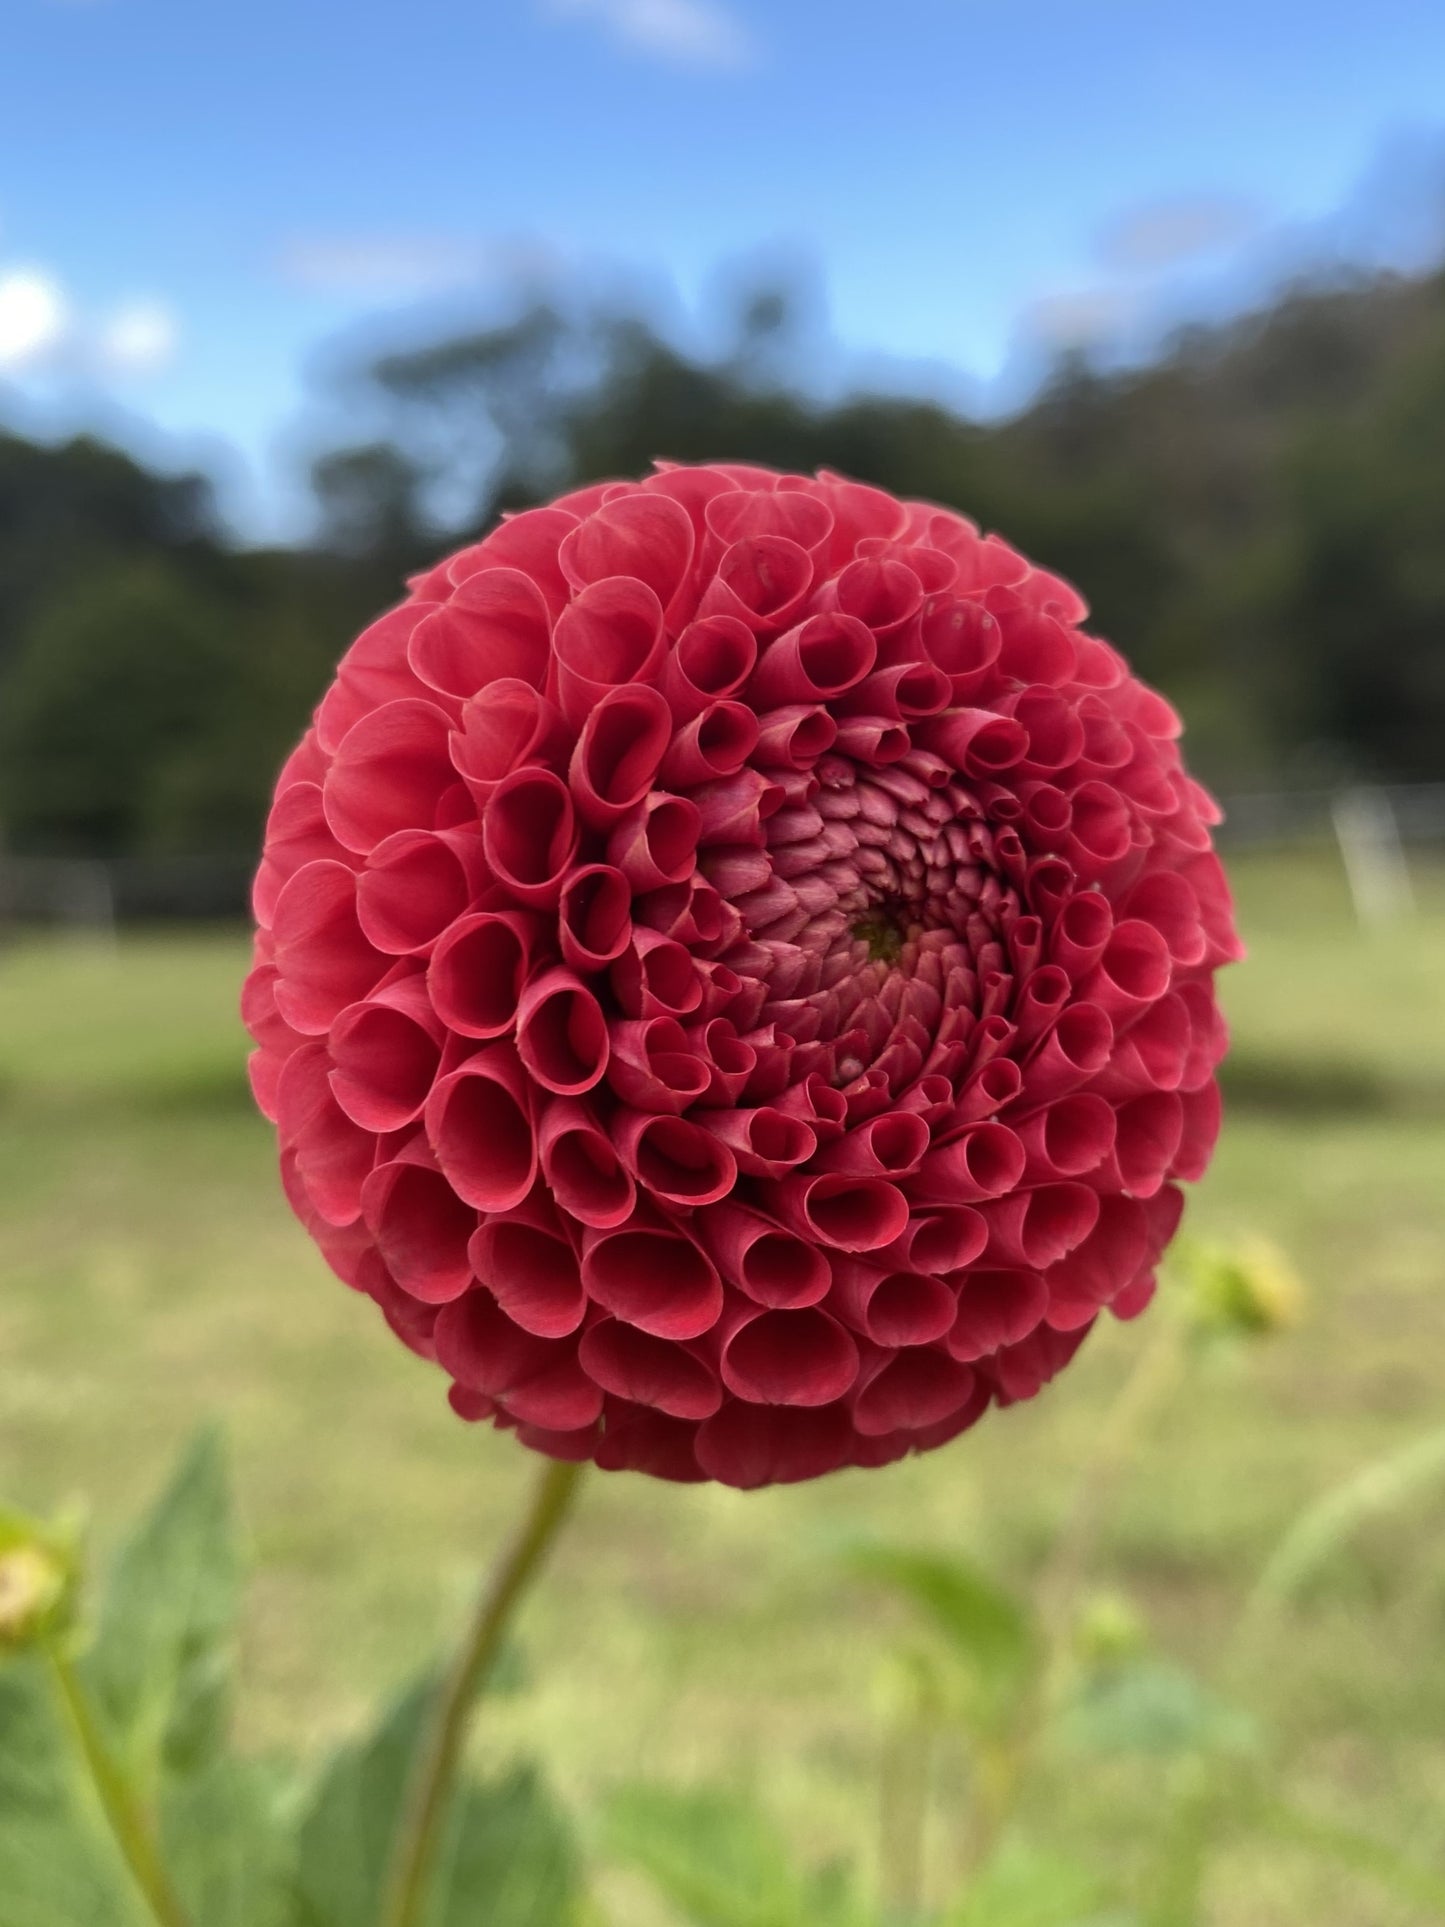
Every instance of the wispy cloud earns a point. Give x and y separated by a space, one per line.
138 338
692 33
1169 233
378 264
403 266
1079 317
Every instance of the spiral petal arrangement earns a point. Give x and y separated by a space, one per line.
734 976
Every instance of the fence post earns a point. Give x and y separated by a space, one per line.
1368 834
86 892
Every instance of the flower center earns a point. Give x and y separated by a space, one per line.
885 930
882 928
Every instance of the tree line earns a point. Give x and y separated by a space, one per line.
1257 516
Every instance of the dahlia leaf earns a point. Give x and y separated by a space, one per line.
162 1663
990 1630
58 1862
1151 1706
506 1855
225 1840
721 1862
350 1821
509 1859
1329 1522
1024 1887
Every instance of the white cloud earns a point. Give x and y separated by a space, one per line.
380 264
1079 317
43 335
1166 234
694 33
137 338
381 267
34 317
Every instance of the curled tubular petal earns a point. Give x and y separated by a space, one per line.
916 1388
619 751
532 1272
893 1308
799 1358
594 916
388 773
654 1279
562 1033
581 1166
494 627
478 968
769 1264
529 835
479 1126
637 1365
386 1052
421 1226
503 728
415 884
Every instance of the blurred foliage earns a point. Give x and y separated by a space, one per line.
1254 515
123 1799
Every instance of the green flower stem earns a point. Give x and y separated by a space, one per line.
128 1822
440 1751
1145 1392
903 1813
1005 1770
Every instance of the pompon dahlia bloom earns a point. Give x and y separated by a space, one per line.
734 977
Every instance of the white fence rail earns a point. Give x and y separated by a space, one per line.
1376 830
1279 818
97 892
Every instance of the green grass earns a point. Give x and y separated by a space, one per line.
152 1277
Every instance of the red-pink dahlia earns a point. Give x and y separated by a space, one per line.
734 976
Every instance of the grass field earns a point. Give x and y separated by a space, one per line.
152 1277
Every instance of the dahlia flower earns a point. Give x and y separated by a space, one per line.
734 975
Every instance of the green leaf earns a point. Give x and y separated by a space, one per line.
161 1666
715 1857
225 1840
507 1857
58 1864
350 1822
988 1630
834 1899
1327 1525
1150 1706
1024 1887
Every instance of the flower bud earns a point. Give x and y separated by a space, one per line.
35 1585
1248 1288
1109 1629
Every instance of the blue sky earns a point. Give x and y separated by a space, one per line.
194 193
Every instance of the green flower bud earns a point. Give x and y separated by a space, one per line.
1109 1629
1249 1288
37 1576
